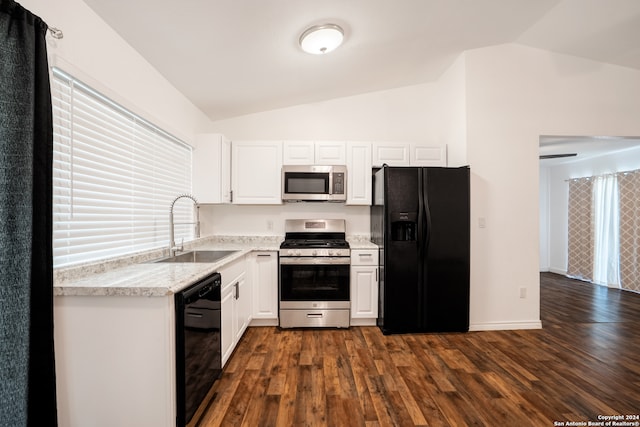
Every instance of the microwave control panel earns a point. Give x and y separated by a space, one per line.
338 183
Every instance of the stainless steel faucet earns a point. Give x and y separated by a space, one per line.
172 244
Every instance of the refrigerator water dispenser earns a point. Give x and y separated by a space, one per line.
404 226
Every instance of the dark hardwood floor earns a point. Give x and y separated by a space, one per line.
584 363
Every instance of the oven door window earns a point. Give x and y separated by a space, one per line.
316 282
306 183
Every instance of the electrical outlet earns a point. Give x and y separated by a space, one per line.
482 222
523 292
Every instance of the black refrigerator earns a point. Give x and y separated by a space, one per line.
420 222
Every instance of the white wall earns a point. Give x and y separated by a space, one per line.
252 220
452 103
559 196
405 114
514 95
93 52
543 201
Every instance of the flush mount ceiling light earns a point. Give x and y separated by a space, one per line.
321 39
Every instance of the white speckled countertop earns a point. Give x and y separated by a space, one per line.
134 275
361 242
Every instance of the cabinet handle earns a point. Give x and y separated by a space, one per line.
231 196
369 255
376 275
265 255
237 286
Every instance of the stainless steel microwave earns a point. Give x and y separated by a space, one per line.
314 183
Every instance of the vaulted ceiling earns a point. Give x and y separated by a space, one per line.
235 57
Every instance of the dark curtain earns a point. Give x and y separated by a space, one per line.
27 374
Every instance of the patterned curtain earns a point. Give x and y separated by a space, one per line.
629 187
580 239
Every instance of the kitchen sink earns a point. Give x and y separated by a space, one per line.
197 256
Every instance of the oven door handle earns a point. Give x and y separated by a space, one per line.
325 260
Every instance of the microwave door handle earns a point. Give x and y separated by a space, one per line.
330 192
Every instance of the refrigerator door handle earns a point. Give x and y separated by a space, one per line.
421 223
427 212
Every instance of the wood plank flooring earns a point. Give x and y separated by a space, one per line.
583 363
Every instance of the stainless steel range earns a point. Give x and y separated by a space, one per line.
314 274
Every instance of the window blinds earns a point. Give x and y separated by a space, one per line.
114 178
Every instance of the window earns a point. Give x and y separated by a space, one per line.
114 177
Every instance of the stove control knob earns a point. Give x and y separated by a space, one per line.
331 253
298 253
314 253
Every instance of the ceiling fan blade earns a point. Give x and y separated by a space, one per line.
557 156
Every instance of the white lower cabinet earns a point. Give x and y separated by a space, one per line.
364 286
227 337
265 288
243 306
235 305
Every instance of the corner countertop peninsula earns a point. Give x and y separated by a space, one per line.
115 332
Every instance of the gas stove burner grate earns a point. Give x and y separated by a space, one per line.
314 243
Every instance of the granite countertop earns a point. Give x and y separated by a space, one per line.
138 275
361 242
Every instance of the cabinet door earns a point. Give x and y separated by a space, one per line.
265 285
428 155
242 307
391 153
212 169
330 153
359 173
256 172
225 170
227 326
364 292
298 153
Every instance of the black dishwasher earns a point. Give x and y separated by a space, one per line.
198 348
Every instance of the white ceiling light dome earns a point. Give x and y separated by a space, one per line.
321 39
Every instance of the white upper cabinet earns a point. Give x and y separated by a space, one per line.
391 153
314 153
424 155
256 172
298 152
212 169
358 173
330 153
408 154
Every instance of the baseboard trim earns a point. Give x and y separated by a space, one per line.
558 271
505 326
363 322
263 322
